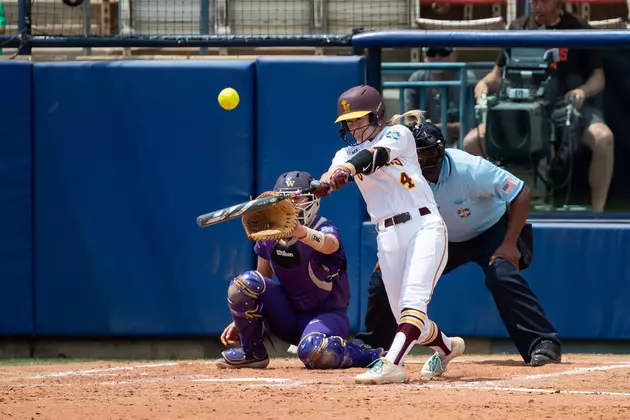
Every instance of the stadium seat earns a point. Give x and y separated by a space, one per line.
617 23
495 23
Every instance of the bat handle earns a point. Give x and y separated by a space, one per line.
316 184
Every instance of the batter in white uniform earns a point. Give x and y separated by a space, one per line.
412 237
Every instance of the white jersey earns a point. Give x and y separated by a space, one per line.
397 187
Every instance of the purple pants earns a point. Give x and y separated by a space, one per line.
254 300
290 325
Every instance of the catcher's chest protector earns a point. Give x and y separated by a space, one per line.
286 255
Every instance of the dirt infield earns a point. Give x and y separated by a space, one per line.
490 387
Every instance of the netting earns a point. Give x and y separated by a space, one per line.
11 17
244 20
262 17
219 17
54 17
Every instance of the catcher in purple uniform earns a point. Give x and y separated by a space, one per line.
308 304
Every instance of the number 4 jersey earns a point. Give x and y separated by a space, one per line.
396 187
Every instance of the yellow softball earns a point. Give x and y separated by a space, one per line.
228 98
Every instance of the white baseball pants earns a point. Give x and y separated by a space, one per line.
412 256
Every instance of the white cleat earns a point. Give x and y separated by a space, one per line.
382 371
436 365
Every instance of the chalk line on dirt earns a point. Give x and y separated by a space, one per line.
84 372
521 378
271 380
525 390
576 371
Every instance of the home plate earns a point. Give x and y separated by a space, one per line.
242 380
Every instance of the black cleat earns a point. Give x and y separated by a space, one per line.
546 352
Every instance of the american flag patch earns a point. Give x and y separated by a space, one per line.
508 185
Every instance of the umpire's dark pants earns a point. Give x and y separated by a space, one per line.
519 308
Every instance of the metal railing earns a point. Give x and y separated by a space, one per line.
466 102
215 23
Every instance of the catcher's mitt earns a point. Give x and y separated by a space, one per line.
272 223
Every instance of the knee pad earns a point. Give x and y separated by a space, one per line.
318 351
244 293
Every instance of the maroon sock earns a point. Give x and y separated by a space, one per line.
407 334
437 340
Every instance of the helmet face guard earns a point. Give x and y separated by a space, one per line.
291 182
345 131
429 146
308 209
430 157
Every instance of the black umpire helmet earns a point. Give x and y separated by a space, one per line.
430 145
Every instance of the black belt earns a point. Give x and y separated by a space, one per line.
404 217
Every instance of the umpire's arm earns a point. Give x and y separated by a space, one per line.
518 210
488 180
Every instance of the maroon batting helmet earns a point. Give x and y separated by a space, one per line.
356 103
360 101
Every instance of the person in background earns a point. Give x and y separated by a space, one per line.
580 79
433 95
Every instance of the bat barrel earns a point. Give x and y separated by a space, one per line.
239 209
201 220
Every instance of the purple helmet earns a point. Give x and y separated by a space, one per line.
360 101
295 181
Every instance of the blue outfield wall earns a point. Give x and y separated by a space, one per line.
127 154
117 251
16 228
118 158
580 273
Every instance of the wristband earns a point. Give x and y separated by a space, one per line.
313 238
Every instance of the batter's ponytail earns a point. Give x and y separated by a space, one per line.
415 115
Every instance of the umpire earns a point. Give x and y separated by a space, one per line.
472 194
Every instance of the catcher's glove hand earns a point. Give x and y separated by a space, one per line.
272 223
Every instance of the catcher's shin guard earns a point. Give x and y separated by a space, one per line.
318 351
246 308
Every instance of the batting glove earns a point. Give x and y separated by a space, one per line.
323 189
340 178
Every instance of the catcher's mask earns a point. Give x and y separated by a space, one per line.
358 102
307 204
430 148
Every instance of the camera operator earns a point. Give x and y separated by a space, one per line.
579 77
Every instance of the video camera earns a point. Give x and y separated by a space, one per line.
522 119
518 122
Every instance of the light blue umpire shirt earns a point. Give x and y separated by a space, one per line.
472 194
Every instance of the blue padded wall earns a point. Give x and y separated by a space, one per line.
582 277
16 229
579 273
127 155
296 110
